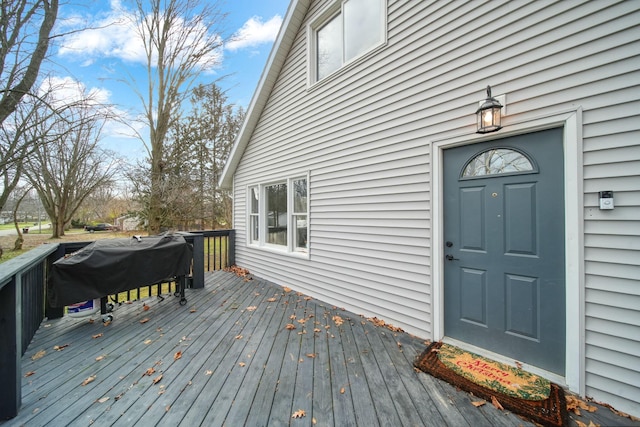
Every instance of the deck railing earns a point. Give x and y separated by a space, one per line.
23 302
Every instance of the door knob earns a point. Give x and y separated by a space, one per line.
451 258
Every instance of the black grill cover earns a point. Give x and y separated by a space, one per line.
109 266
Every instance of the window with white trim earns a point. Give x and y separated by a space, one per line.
346 31
278 214
254 219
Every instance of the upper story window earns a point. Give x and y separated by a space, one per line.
345 32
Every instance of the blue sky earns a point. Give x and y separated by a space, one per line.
98 59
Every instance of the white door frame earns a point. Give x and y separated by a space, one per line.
571 121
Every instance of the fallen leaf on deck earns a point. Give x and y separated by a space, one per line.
91 320
242 364
167 408
574 405
99 358
147 342
145 320
271 300
208 372
337 320
251 308
286 289
311 355
342 390
38 355
96 336
308 298
28 374
238 337
157 379
290 326
107 323
495 403
299 413
60 347
145 307
317 330
103 399
580 423
193 310
149 372
177 356
478 403
88 380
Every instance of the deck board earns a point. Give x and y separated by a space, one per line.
239 365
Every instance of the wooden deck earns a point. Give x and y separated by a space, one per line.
228 357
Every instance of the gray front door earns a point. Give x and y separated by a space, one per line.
504 279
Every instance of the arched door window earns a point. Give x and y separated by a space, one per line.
498 161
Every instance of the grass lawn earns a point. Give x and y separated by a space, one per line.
39 235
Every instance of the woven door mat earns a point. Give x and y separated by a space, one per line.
518 391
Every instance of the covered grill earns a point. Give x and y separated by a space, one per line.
110 266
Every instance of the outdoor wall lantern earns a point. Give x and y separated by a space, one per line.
489 114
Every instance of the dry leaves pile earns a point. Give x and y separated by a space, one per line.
240 272
574 405
383 324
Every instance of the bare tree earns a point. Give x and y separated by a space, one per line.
18 138
22 50
67 164
17 245
180 44
25 28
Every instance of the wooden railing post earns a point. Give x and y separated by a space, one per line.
198 261
10 348
231 248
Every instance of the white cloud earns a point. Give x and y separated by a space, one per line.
111 35
254 32
65 90
114 35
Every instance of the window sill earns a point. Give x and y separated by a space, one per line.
280 251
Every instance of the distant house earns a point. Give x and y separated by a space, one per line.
129 223
358 177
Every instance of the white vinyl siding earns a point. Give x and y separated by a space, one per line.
364 136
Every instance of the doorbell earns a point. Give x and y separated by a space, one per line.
606 199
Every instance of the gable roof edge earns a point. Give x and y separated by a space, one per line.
290 26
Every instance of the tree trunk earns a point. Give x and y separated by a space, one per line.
155 198
58 229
